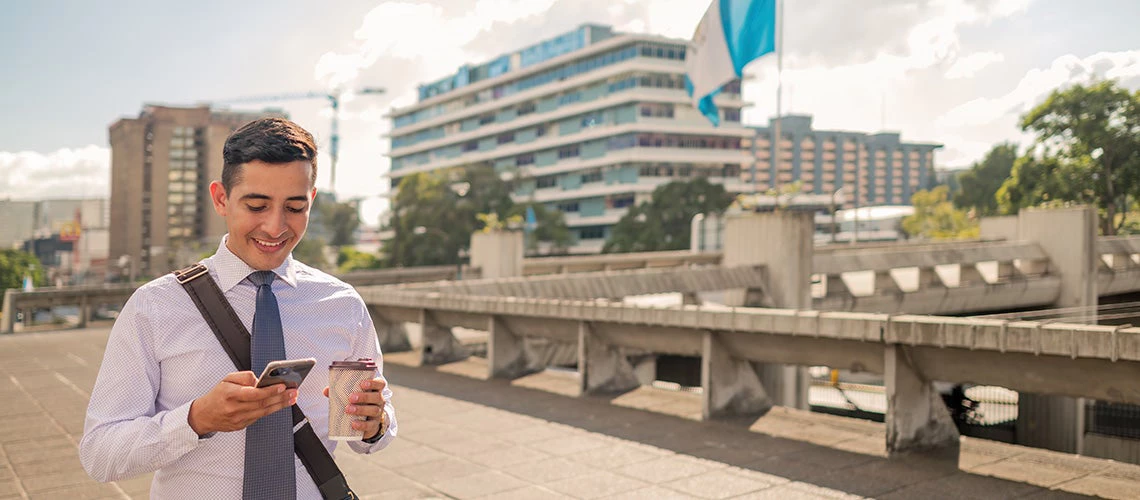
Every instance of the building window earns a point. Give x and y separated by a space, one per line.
568 206
506 138
592 176
732 115
485 119
592 120
568 152
592 233
527 159
546 181
655 110
540 131
622 201
469 146
569 98
526 108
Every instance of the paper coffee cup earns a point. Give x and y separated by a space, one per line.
344 379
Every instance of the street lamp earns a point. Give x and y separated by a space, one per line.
834 209
422 230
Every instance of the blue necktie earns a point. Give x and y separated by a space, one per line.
269 472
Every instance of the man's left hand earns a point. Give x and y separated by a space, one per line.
367 402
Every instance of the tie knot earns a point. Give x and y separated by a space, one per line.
261 278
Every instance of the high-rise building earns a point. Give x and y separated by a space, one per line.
162 164
875 169
588 123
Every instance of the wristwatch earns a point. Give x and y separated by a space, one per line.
383 429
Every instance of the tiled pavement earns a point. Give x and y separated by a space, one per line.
466 438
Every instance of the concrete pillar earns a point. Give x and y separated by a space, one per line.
731 385
968 274
690 299
440 345
928 278
783 242
498 254
84 311
393 335
885 284
506 354
917 420
1068 236
9 312
602 368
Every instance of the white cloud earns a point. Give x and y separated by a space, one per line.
1038 83
970 65
67 173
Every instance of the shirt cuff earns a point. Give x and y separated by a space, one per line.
177 431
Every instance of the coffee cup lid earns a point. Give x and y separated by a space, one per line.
359 364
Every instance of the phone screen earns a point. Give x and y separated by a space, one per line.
289 372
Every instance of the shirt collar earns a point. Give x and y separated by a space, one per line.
231 270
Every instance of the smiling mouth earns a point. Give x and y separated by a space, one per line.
269 245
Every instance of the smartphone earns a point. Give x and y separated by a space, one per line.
289 372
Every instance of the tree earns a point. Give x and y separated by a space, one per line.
311 251
350 259
15 265
333 221
550 228
663 223
936 218
979 185
1087 150
434 214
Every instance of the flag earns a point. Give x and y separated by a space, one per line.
28 283
732 34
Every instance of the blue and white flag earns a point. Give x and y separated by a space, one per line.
732 34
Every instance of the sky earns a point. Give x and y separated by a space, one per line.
954 72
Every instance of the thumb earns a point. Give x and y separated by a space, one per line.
246 378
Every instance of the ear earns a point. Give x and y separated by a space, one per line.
313 197
218 196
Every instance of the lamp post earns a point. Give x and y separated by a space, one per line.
422 230
834 209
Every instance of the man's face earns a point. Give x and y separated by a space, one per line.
266 211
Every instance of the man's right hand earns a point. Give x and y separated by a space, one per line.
235 403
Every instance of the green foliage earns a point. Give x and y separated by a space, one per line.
550 227
663 223
15 265
936 218
448 207
351 259
1087 150
311 251
335 222
978 186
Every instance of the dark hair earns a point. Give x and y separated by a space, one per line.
271 140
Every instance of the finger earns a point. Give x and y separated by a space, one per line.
253 394
246 378
366 398
370 411
369 427
376 384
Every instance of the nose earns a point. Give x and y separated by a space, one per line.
274 223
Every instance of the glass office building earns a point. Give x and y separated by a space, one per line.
589 123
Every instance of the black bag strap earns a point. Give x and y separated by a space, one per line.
234 337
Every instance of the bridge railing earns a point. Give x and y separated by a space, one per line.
1099 362
86 298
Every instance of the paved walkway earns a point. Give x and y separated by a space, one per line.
467 438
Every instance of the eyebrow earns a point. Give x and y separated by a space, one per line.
258 196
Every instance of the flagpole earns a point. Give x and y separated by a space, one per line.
779 85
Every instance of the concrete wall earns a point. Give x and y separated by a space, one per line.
499 254
999 227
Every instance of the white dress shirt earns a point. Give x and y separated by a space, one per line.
162 355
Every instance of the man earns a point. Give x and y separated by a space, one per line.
168 398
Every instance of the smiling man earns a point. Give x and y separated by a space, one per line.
168 397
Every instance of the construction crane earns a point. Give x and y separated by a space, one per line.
334 101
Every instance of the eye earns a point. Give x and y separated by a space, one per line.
296 210
255 209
